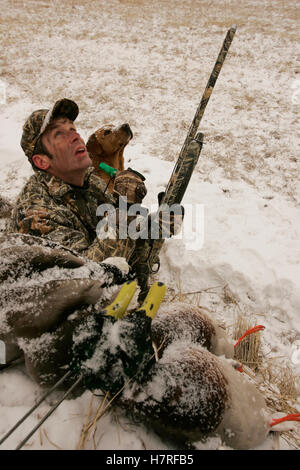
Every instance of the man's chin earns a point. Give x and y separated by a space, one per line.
83 161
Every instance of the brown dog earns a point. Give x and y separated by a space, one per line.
107 145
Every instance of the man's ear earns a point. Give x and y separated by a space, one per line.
41 161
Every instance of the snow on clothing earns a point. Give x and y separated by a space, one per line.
48 207
46 290
52 305
51 308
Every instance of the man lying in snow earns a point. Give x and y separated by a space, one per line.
53 302
60 201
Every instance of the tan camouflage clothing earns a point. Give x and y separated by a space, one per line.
48 207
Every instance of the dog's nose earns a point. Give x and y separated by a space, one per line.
126 127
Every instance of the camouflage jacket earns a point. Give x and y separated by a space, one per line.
66 214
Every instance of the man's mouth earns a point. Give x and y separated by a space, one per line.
80 151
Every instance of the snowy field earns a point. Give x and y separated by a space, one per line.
147 63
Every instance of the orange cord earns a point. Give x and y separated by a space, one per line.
291 417
249 332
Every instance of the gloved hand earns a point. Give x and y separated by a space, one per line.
114 272
130 183
169 222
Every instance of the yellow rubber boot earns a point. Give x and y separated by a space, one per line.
119 306
153 300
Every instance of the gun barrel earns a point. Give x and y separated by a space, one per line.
211 83
206 96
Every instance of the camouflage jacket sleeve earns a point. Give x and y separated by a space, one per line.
68 218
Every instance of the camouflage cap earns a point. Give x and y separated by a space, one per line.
37 122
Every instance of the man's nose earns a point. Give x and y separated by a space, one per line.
74 135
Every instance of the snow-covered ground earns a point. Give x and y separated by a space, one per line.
147 63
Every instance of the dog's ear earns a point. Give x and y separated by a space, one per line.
93 147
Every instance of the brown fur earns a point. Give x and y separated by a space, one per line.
48 359
186 398
192 393
20 253
196 393
107 145
181 322
184 321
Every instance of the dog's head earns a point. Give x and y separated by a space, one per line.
109 140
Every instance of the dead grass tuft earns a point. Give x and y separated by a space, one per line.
284 383
90 427
248 351
280 387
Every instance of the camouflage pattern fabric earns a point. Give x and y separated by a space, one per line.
50 208
31 132
130 184
139 262
36 301
5 207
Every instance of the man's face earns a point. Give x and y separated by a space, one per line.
67 149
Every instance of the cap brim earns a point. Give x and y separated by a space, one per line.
63 107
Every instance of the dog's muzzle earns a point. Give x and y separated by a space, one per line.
126 128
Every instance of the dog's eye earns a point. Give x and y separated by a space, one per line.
106 132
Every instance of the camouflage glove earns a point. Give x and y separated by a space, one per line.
130 183
169 222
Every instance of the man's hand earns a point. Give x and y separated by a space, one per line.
130 183
170 223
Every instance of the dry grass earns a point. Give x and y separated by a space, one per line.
248 351
50 441
280 388
164 58
284 382
90 426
